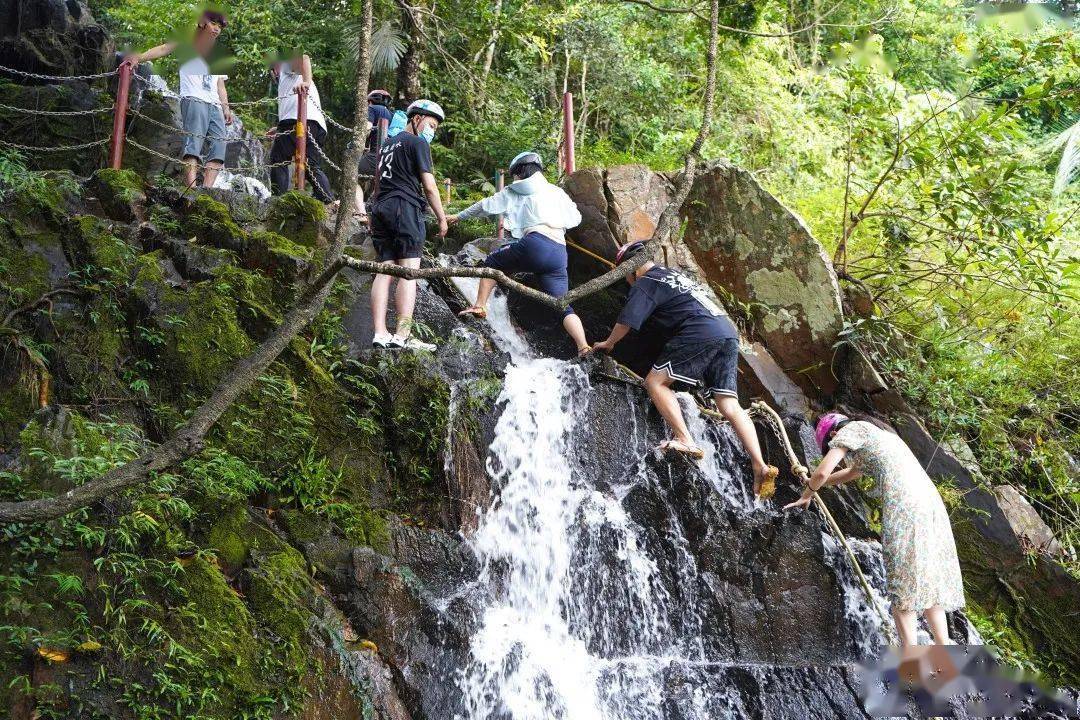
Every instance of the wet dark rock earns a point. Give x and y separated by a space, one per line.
52 37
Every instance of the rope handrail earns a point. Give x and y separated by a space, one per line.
55 148
763 409
40 76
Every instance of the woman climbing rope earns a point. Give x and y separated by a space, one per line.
923 573
537 214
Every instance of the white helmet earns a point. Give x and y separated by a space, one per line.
526 157
426 107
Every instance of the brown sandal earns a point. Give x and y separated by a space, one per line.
475 311
681 447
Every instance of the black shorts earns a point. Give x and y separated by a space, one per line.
397 229
368 161
712 365
537 254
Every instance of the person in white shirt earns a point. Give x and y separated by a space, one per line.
204 104
537 215
292 76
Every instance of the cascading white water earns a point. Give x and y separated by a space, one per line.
576 620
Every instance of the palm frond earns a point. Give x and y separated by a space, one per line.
387 47
1069 142
387 44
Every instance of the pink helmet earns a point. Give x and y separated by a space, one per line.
825 425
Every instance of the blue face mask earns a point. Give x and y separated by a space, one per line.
428 133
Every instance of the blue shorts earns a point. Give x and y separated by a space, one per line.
537 254
203 122
713 365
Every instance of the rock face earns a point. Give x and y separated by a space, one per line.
52 37
752 246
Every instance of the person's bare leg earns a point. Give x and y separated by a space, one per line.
576 331
658 385
380 297
483 293
939 626
744 428
405 299
191 169
360 209
210 173
906 628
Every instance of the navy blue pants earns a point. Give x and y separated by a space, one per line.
537 254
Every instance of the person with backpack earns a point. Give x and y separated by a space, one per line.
703 351
397 219
537 214
378 109
204 103
292 77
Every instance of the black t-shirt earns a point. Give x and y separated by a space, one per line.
375 113
678 306
404 158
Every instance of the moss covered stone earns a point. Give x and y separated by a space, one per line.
211 223
120 192
298 217
96 245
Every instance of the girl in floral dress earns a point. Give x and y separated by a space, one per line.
922 570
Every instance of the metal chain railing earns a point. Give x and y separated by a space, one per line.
55 148
56 113
56 78
201 166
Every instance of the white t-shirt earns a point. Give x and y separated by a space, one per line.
197 82
287 104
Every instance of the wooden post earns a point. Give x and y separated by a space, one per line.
384 125
449 193
568 132
500 179
300 153
123 87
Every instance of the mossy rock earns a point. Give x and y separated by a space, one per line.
94 244
276 254
298 217
121 193
211 223
193 336
55 130
217 625
281 595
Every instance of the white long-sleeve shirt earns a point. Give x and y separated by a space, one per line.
529 205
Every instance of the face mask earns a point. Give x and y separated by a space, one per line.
428 133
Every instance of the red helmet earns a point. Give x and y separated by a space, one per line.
379 97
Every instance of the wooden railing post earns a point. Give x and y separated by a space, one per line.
568 132
300 153
500 180
123 88
449 191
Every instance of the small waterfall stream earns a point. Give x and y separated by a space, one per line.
582 612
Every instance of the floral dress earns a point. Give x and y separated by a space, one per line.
921 566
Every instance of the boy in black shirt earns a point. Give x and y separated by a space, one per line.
397 219
703 351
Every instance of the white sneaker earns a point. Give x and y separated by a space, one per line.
383 340
411 343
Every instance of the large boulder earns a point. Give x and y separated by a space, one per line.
741 241
757 250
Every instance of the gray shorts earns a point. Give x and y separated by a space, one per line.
203 122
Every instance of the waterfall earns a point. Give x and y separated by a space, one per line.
582 612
